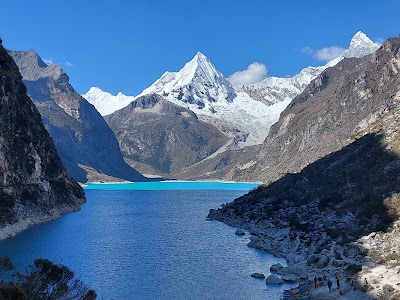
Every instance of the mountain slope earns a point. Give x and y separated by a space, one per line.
335 152
169 138
339 215
34 185
81 135
339 103
244 112
272 90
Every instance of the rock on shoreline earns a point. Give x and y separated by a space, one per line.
349 262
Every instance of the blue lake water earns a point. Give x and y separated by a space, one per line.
151 242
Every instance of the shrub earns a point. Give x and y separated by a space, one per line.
43 280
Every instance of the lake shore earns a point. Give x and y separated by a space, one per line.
28 218
360 277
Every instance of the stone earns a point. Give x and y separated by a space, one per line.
352 252
239 232
290 278
258 275
323 261
303 276
312 259
254 242
275 267
337 263
325 252
289 270
387 288
272 279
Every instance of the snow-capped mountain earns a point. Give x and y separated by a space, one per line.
200 87
272 90
106 103
198 83
360 45
244 112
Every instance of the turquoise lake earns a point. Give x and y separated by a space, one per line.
151 241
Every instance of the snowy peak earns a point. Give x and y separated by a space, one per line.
200 67
360 45
360 38
104 102
197 85
272 90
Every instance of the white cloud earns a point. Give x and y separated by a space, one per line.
255 72
307 50
324 54
48 61
68 64
328 53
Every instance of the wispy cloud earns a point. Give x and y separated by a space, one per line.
329 53
68 64
324 54
307 50
255 72
48 61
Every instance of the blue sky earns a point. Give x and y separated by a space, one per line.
126 45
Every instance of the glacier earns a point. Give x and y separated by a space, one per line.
243 112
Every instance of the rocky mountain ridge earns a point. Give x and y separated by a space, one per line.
86 144
244 114
272 90
165 136
34 185
331 204
340 102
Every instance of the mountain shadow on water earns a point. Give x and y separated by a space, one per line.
341 197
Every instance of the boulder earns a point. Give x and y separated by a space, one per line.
272 279
323 261
388 289
344 288
293 258
275 267
289 270
303 276
352 252
254 242
312 259
337 263
325 252
239 232
290 278
258 275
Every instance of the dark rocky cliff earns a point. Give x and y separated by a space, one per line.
33 183
166 136
83 139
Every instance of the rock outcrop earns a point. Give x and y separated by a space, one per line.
161 134
341 102
83 139
33 182
334 156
